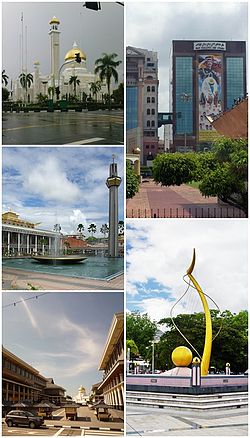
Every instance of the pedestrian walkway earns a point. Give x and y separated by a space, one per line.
17 279
170 422
154 200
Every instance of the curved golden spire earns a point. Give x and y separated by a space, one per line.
205 361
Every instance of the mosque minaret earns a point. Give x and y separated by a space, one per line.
54 49
61 72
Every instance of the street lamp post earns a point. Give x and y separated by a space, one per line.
185 98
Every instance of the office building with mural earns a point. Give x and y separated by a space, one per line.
207 78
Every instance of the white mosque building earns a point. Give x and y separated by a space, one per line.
81 397
59 74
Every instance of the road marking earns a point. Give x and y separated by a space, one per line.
58 414
87 141
59 431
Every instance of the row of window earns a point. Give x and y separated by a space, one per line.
149 133
22 372
152 146
150 123
152 111
151 88
116 353
152 99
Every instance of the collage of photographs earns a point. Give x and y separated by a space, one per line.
124 218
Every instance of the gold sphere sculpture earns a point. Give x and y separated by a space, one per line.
182 356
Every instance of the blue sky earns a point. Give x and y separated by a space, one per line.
159 253
61 334
60 185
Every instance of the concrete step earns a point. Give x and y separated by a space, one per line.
220 401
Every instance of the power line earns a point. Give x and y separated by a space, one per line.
25 299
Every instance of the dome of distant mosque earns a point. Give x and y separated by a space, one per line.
81 389
71 54
54 20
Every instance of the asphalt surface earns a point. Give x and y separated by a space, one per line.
56 431
143 421
95 127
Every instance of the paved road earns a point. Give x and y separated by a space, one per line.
142 421
56 431
95 127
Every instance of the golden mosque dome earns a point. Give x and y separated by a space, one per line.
54 20
70 55
81 389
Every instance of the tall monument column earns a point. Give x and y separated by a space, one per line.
54 50
113 182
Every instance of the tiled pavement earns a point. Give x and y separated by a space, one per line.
154 200
19 279
167 422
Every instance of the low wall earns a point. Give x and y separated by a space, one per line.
183 385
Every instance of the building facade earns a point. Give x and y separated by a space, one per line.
20 381
112 364
21 237
142 101
54 393
206 78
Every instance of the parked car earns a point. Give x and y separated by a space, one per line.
23 418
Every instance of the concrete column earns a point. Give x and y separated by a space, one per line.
18 243
119 397
7 391
28 244
115 397
19 394
49 245
35 244
8 242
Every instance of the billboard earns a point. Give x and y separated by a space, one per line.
209 71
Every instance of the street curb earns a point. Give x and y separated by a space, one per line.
85 427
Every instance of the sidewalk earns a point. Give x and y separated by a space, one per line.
154 200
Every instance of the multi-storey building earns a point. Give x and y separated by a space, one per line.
112 363
142 101
20 381
206 78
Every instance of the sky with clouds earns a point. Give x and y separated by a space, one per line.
60 185
160 252
153 26
62 335
95 32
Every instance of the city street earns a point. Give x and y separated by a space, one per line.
95 127
144 421
56 431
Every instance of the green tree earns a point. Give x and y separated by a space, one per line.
132 181
232 330
41 98
121 228
104 229
95 87
75 81
92 229
106 68
26 80
118 94
134 351
80 228
174 169
141 330
4 78
5 94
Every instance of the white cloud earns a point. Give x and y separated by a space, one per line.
47 180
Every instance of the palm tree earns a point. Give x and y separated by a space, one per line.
73 80
95 87
26 81
120 228
106 67
80 228
4 78
92 229
104 229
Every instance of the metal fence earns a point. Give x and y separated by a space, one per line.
188 212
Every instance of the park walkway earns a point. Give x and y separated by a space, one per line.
154 200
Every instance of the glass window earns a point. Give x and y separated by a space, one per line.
184 84
148 88
148 99
153 88
235 79
153 100
153 111
148 123
131 107
148 111
153 123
